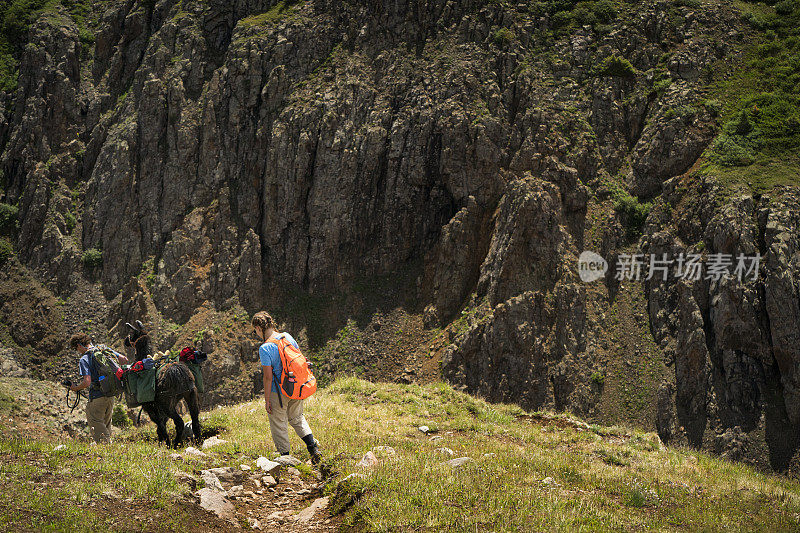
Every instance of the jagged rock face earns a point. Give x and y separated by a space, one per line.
244 150
732 343
317 136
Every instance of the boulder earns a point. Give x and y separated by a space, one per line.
270 467
213 441
194 452
368 461
211 480
384 452
459 461
186 479
446 452
308 513
227 474
216 502
287 460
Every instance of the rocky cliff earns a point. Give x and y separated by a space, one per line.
189 162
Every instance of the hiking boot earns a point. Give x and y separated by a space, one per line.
316 457
313 449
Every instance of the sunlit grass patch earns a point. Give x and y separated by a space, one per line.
52 489
527 471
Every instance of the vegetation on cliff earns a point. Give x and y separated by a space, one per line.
760 117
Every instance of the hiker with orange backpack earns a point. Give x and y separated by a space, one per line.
287 382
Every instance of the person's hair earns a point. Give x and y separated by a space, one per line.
264 320
79 338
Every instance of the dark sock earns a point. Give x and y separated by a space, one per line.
311 444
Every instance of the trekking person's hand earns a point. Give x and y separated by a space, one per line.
268 406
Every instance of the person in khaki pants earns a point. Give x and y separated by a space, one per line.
282 411
99 407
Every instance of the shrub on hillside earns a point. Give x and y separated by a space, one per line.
6 251
92 258
120 418
632 212
9 219
617 66
502 36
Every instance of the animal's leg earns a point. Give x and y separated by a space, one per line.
161 429
193 401
159 420
172 412
178 428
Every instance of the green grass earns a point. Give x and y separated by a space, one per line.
600 478
616 66
8 404
566 14
503 36
632 212
764 174
281 11
9 219
50 490
760 105
604 479
6 250
70 221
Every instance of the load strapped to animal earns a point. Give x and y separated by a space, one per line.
193 358
139 379
139 382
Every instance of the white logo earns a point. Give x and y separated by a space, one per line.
591 266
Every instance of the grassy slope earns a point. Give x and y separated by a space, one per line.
601 478
760 106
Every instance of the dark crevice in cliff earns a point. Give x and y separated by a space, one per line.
308 184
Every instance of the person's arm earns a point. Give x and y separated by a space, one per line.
87 381
267 377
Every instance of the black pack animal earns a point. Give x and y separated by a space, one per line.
173 384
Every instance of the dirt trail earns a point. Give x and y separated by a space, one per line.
294 504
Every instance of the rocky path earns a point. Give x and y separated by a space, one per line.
284 494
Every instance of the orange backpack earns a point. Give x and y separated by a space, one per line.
295 371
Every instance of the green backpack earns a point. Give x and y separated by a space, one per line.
106 363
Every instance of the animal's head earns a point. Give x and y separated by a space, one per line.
139 339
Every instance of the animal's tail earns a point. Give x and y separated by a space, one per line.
175 379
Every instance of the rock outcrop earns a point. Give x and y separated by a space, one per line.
230 155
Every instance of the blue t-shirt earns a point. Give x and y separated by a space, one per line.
86 368
271 356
